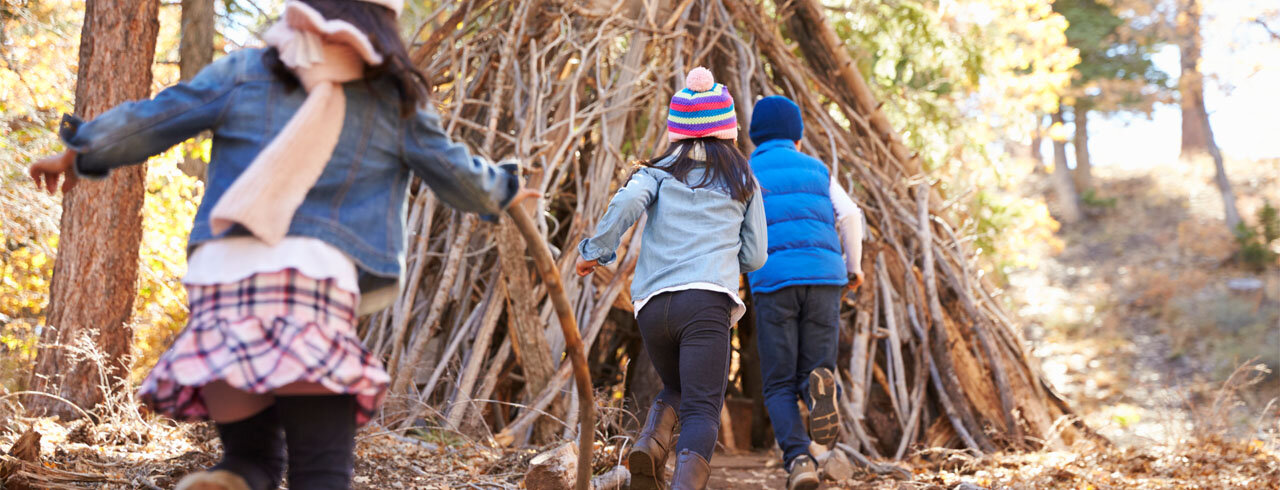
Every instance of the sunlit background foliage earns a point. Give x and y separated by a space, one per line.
39 45
963 81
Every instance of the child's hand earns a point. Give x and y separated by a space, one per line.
585 266
47 171
524 193
855 281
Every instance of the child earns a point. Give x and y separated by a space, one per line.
706 227
797 294
303 214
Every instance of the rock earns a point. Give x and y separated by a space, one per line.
836 466
1244 284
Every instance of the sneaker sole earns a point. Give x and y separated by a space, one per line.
644 474
806 485
824 418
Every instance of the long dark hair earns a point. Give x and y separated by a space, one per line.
726 167
379 23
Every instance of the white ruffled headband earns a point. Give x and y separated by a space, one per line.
323 53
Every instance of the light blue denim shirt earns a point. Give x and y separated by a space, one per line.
359 203
692 235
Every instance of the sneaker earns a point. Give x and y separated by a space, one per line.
824 416
803 474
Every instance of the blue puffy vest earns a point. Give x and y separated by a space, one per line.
804 249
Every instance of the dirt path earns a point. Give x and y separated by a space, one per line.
1132 318
749 470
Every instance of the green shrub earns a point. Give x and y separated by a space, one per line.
1091 198
1256 251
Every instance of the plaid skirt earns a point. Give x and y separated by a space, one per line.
262 333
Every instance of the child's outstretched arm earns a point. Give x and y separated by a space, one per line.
466 182
754 235
131 132
624 210
849 223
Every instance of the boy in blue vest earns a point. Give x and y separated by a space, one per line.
815 250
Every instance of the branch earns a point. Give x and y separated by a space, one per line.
1275 35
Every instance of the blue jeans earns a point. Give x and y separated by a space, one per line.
687 336
799 331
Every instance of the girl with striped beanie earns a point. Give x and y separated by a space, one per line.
704 109
706 227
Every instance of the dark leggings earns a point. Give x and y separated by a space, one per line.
687 336
318 433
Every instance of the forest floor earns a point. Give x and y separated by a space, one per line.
1131 318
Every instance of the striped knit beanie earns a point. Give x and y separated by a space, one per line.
703 109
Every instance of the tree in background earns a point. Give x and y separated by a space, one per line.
1115 72
95 273
194 52
1064 187
196 47
1197 134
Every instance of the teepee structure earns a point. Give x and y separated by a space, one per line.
575 91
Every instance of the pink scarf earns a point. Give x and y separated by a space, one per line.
323 54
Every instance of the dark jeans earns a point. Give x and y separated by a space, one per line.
687 336
799 331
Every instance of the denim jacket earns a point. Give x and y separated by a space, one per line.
692 235
360 201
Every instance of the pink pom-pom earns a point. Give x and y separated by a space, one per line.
700 80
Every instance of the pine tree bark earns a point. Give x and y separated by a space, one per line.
1063 186
1197 134
1082 176
195 51
1195 137
95 272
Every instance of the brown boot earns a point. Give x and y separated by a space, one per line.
648 458
803 474
692 472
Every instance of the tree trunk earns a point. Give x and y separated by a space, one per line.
1197 134
196 47
1037 140
1068 199
1230 213
1195 137
1083 175
95 273
195 51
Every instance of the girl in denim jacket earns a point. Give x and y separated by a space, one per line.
706 227
301 227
